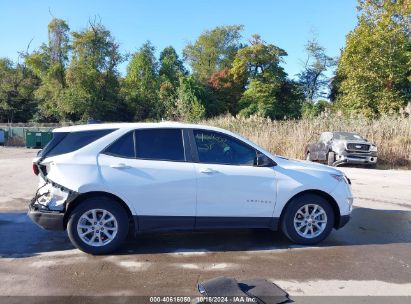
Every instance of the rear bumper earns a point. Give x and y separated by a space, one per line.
344 219
49 220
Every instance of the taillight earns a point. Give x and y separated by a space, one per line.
35 169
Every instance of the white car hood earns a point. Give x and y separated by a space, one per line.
303 165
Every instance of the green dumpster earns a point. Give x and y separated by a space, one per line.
38 139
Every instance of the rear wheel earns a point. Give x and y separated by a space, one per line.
98 225
308 219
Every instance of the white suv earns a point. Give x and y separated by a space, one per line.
102 181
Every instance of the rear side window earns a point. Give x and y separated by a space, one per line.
123 147
75 140
160 144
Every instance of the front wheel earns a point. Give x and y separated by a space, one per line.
330 158
308 219
98 225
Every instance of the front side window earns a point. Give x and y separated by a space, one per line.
123 147
217 148
160 144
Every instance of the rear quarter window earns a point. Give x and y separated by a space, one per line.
122 147
72 141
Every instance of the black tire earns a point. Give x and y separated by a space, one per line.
330 158
104 203
287 220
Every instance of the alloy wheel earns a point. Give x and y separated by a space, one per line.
97 227
310 221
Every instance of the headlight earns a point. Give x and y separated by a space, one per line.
373 148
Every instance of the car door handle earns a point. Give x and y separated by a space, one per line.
120 166
208 171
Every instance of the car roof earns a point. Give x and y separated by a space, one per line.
164 124
136 125
344 132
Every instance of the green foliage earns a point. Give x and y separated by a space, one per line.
92 75
141 84
49 64
375 67
311 110
171 67
259 99
170 72
74 75
214 50
168 99
268 91
312 78
17 84
258 61
189 106
87 85
277 100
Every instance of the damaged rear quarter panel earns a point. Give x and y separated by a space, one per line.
79 173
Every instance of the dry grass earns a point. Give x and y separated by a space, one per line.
392 134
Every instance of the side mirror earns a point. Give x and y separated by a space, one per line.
262 160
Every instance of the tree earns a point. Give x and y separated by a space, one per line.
214 50
189 105
225 91
168 97
374 71
140 86
310 110
49 64
17 84
92 76
268 91
170 72
313 79
171 67
258 61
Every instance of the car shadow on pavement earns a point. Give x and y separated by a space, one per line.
367 227
21 238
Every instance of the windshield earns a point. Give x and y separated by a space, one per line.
347 136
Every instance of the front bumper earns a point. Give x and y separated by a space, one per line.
356 158
46 219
